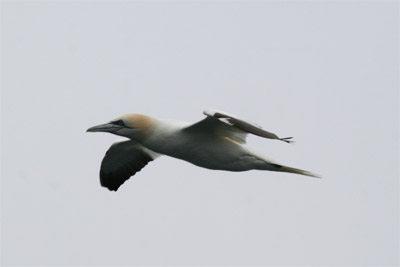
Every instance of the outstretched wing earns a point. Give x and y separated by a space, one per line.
222 122
123 160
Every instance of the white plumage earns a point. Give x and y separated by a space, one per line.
216 142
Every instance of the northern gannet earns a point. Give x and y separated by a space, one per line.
217 142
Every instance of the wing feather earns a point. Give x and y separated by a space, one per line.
121 161
222 122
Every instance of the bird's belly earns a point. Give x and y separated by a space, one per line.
216 154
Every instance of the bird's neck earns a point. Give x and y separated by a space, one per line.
164 135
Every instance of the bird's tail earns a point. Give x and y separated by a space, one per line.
281 168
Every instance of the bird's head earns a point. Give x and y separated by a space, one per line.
133 126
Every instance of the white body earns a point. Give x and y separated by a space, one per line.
204 150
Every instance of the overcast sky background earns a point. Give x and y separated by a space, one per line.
325 73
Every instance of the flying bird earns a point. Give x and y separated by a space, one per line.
217 142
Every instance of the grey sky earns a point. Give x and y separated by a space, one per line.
325 73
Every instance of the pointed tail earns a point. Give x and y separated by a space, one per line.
282 168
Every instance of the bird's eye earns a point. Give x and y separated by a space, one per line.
119 122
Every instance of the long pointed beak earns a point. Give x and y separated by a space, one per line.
107 127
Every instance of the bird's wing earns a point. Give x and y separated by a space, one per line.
223 123
123 160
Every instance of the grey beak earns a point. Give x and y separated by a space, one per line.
107 127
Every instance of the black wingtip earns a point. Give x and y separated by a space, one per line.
110 184
112 189
286 139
